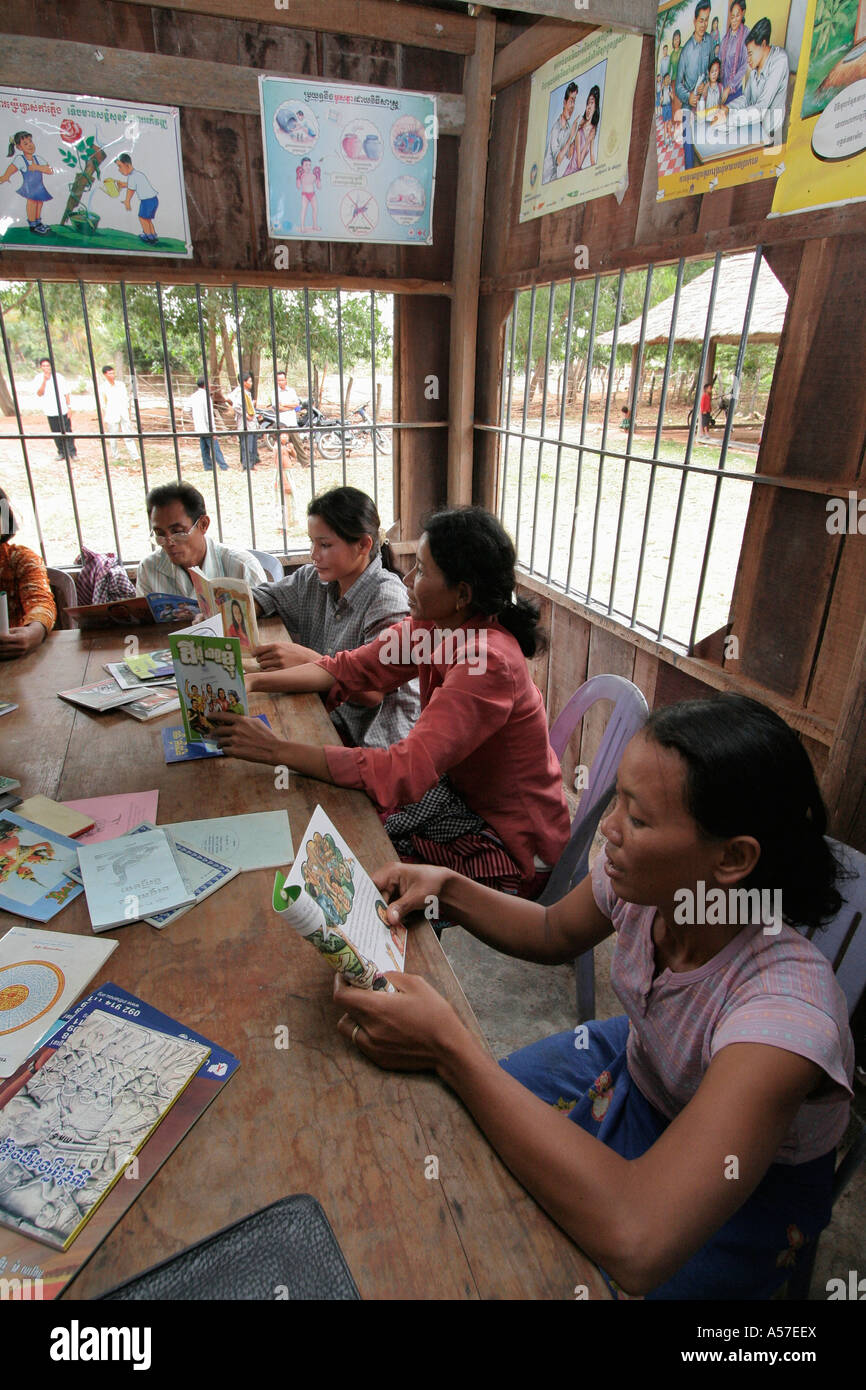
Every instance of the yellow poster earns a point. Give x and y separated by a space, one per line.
722 90
579 130
825 159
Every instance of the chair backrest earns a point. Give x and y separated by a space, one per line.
270 564
630 713
843 940
65 596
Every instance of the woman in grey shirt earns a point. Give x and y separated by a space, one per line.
342 600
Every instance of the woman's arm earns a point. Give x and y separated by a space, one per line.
509 924
639 1218
306 678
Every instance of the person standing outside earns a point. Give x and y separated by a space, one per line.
134 181
692 75
115 413
560 134
203 423
706 408
56 404
244 405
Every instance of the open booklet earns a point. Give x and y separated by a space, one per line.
329 899
233 599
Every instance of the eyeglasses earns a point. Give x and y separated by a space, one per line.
174 533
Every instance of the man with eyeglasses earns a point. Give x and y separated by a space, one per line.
178 525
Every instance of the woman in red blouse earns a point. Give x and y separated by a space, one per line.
475 786
29 600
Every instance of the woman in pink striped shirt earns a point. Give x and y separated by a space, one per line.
689 1146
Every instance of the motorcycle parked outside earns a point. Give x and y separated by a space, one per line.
358 431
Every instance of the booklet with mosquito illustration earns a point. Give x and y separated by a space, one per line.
331 901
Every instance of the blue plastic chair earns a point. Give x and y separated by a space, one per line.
843 942
270 564
630 713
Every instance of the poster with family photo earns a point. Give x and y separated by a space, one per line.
345 162
579 128
92 175
723 80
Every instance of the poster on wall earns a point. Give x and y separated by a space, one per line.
825 158
88 174
722 91
579 130
345 162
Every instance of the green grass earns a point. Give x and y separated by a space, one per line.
69 239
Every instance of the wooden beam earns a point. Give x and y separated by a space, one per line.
99 270
638 16
128 75
371 19
535 46
468 229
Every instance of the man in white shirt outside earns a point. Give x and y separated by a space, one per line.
56 404
178 524
560 133
115 413
134 181
203 423
760 109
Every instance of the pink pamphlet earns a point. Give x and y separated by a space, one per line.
115 815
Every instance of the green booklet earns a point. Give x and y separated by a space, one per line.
210 680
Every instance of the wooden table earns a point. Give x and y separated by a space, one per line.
317 1116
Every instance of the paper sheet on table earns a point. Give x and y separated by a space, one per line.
261 840
115 815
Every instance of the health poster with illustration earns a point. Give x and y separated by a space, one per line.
825 159
721 91
348 163
86 174
579 129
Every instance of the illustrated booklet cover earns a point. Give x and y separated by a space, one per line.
31 1258
69 1132
210 680
35 868
331 901
233 599
41 973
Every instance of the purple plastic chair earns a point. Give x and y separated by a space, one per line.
629 714
843 942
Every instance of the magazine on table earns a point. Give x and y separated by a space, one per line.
56 1267
38 868
69 1132
154 704
41 973
331 901
130 878
202 874
102 695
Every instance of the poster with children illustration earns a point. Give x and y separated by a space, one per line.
210 680
579 129
724 72
87 174
345 162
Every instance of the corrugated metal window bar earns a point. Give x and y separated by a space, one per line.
608 488
85 477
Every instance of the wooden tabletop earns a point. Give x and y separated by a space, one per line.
317 1116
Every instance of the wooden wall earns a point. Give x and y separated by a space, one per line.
799 608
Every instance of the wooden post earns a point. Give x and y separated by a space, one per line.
843 787
468 227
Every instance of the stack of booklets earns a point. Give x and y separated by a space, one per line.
142 686
146 875
113 1088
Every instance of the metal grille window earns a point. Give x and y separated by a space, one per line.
80 448
605 481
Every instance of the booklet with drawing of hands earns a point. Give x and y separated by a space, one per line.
331 901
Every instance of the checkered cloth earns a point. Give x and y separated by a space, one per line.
441 829
101 579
